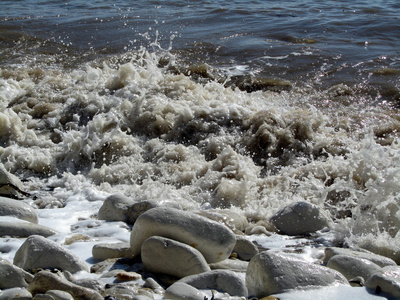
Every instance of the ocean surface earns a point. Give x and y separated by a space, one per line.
243 105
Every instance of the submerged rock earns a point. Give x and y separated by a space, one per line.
162 255
221 280
39 252
300 218
386 280
17 209
214 240
273 273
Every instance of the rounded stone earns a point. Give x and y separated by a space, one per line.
24 229
15 294
300 218
351 266
273 273
221 280
39 252
380 260
386 280
59 295
214 240
104 251
183 291
115 208
17 209
163 255
244 248
12 276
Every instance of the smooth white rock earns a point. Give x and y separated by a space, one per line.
104 251
39 252
115 208
230 264
271 273
183 291
12 276
351 266
163 255
15 294
244 248
214 240
380 260
24 229
17 209
221 280
45 281
233 220
300 218
388 281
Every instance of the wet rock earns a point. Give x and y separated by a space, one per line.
300 218
104 251
24 229
214 240
230 264
351 266
16 294
154 285
90 283
163 255
272 273
12 276
380 260
115 208
234 221
181 290
244 248
251 84
45 281
39 252
221 280
59 295
127 292
17 209
10 185
386 280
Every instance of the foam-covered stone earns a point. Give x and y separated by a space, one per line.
24 229
214 240
104 251
115 208
39 252
380 260
163 255
12 276
16 294
272 273
300 218
221 280
244 248
386 280
45 281
351 266
181 290
17 209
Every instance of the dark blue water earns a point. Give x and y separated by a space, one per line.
314 42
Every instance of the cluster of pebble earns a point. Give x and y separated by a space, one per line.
175 254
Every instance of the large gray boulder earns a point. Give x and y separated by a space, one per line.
351 266
300 218
12 276
17 209
163 255
39 252
214 240
273 273
24 229
221 280
386 280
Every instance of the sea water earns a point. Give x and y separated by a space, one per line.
242 105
